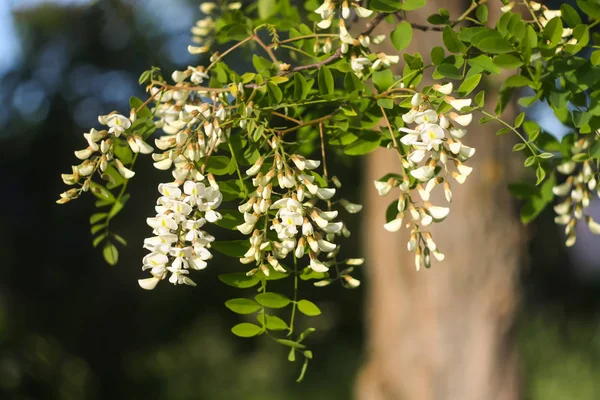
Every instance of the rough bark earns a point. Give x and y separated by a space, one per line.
445 333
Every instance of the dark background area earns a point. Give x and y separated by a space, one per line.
71 327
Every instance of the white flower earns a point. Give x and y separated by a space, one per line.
118 124
432 135
444 89
148 283
383 188
317 265
427 116
125 172
459 104
463 120
438 213
423 174
394 225
362 12
207 7
351 207
417 100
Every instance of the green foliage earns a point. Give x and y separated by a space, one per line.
249 134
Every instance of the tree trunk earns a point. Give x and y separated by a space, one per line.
445 333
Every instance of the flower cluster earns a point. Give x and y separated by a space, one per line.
433 146
544 16
192 128
202 32
179 243
99 154
299 226
577 192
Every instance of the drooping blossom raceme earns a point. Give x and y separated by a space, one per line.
328 10
299 228
433 146
576 192
99 155
179 244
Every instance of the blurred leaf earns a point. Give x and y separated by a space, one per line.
246 329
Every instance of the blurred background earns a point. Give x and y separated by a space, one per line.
71 327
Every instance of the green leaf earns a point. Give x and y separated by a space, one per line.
437 55
97 217
365 144
218 165
519 147
136 103
305 334
272 300
484 62
326 84
110 253
517 81
301 88
386 103
540 174
246 329
239 280
231 248
494 45
275 94
266 8
97 240
522 191
448 71
272 322
570 15
529 161
261 64
119 239
402 35
536 203
507 61
469 85
595 58
290 343
308 308
383 79
242 306
519 120
451 41
590 8
480 98
553 31
303 370
482 13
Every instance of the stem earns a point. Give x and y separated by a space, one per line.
314 36
468 11
295 302
267 49
232 48
287 117
303 124
533 151
237 169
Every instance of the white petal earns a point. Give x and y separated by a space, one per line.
148 283
438 213
394 225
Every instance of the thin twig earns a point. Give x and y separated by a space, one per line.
286 117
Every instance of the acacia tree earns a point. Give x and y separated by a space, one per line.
237 145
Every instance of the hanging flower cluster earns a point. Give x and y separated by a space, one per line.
360 61
434 147
300 226
99 155
576 192
203 31
179 243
